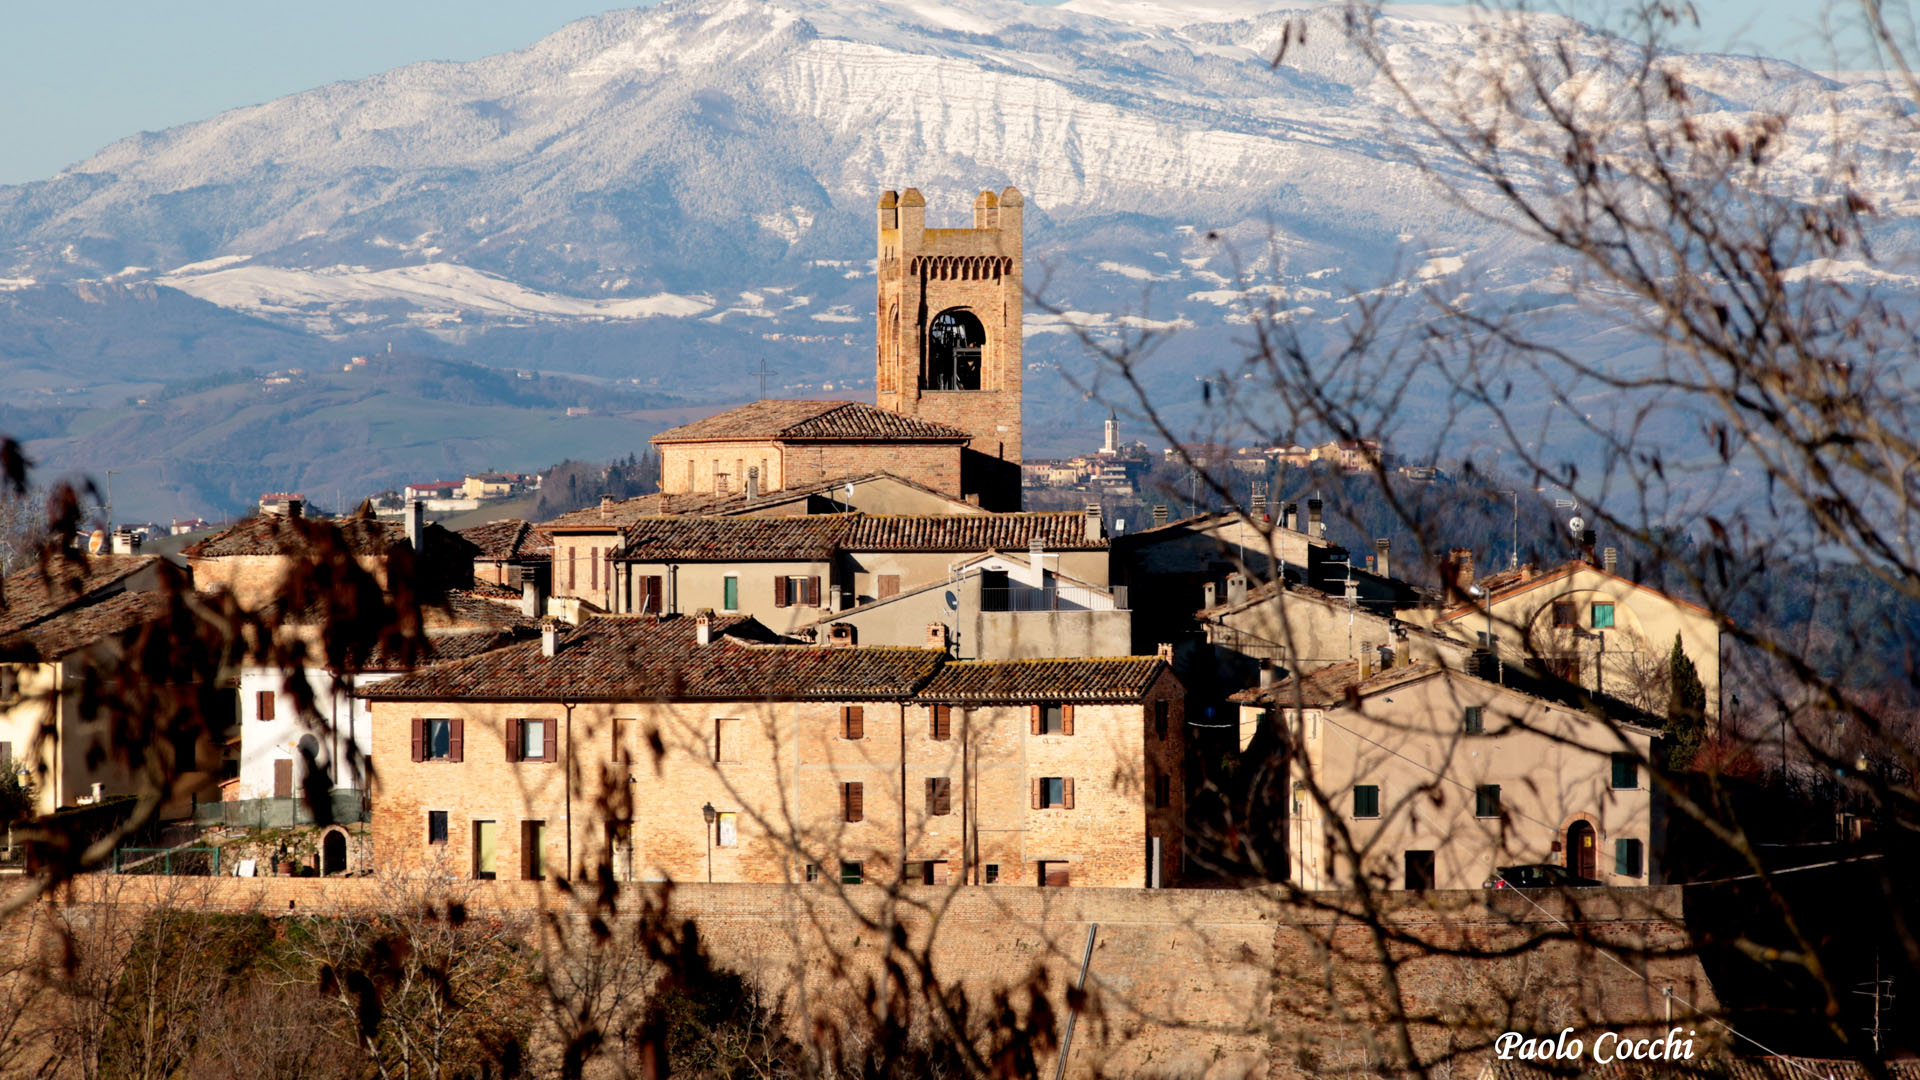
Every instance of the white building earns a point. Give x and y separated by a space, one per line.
278 746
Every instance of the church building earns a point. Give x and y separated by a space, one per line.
947 377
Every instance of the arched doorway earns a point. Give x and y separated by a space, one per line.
955 340
333 853
1583 854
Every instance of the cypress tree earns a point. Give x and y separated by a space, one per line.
1686 707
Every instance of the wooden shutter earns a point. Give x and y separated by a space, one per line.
1066 792
513 740
456 739
593 568
853 722
572 577
652 594
855 802
813 591
283 779
779 592
889 586
419 739
266 704
937 872
1039 721
552 730
942 722
1066 719
1039 792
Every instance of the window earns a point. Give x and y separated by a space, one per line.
1366 800
1161 709
1053 874
486 849
573 575
531 740
436 826
853 802
812 871
730 593
887 585
939 795
533 850
726 740
264 702
933 872
1051 792
1474 720
649 594
1562 614
851 873
1626 771
1162 792
940 722
436 739
1053 719
993 873
796 591
853 722
1419 870
1602 616
1486 800
729 830
1626 857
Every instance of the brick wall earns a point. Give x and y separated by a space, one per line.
1182 982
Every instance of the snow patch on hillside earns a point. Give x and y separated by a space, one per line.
432 287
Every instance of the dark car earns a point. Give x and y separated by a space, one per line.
1539 876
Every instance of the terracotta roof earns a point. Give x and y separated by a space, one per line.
445 646
1335 684
276 535
835 421
80 626
728 504
973 532
1122 678
804 538
483 605
1511 583
499 541
657 658
30 595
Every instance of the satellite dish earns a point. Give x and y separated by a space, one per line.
1577 525
953 602
849 489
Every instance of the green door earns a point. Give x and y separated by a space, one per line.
485 849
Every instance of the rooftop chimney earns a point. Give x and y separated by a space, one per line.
753 482
606 506
1236 587
703 626
549 636
1315 526
530 598
1208 591
296 508
1095 529
1160 514
416 522
1366 659
937 636
1462 560
1266 674
1164 651
1290 517
840 634
1380 548
1609 559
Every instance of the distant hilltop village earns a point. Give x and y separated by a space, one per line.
830 647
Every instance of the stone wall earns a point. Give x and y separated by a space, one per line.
1181 982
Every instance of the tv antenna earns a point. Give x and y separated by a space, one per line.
1882 991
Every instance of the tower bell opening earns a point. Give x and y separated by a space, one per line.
954 343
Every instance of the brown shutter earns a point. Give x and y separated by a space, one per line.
854 722
656 594
1039 792
552 729
1039 719
456 739
853 796
889 586
419 739
513 740
779 592
283 779
572 577
266 704
1066 719
942 722
1066 793
813 591
593 568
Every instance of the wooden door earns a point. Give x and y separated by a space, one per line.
1582 852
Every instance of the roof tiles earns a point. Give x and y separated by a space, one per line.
1122 678
833 421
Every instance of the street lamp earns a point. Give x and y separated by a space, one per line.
710 815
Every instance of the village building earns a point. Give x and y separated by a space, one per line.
509 552
1437 779
771 445
699 748
251 558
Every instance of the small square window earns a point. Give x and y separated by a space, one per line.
1626 857
993 873
1602 616
1054 874
729 835
813 871
1486 800
852 873
1474 720
1051 721
1366 800
436 826
1563 613
1626 772
1052 791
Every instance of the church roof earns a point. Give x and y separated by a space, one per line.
835 421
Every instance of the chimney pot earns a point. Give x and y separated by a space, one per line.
606 506
1315 526
296 508
1290 517
1164 651
1207 594
1609 559
1095 526
416 522
1266 674
549 636
1462 559
1236 587
937 636
703 626
1381 547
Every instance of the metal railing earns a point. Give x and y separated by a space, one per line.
1052 598
194 861
279 813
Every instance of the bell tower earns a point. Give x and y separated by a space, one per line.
948 341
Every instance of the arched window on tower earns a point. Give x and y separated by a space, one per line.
955 341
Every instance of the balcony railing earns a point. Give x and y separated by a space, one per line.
1052 598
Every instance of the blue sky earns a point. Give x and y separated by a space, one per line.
78 75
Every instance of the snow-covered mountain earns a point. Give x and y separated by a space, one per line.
706 170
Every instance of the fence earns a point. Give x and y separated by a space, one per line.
347 805
196 861
1052 598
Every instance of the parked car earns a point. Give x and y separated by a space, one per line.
1539 876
